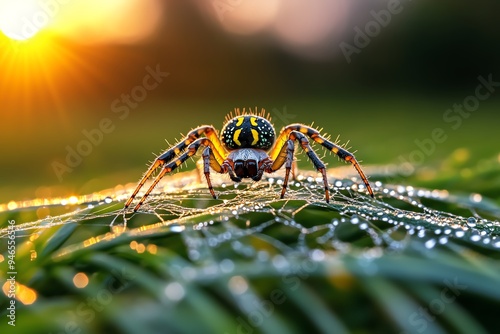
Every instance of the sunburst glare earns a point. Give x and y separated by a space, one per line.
44 47
21 20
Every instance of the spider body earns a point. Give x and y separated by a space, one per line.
248 131
247 148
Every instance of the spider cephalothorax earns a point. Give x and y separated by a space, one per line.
247 148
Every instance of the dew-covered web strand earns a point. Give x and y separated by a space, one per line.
397 210
354 207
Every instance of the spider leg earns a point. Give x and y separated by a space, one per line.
232 176
172 165
168 155
209 160
143 180
285 155
316 136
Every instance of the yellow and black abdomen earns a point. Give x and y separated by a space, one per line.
248 131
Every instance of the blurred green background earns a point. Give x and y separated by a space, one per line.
287 59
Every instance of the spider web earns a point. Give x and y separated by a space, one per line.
302 222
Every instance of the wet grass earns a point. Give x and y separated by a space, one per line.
269 267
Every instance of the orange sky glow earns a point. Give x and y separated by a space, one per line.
38 67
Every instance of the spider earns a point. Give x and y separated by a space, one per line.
247 148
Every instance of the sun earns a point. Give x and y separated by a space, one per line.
23 19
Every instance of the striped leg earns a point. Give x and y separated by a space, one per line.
316 136
210 161
167 156
286 156
169 167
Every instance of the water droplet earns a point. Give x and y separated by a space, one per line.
237 285
317 255
226 266
354 219
476 198
108 200
475 237
279 261
421 193
177 228
212 242
471 222
443 240
430 243
263 256
194 254
459 233
174 291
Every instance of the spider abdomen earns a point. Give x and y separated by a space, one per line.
248 131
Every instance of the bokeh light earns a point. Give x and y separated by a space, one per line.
80 280
245 17
304 28
24 294
309 27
